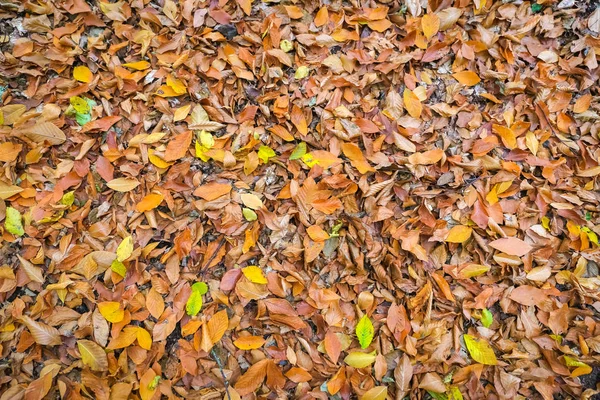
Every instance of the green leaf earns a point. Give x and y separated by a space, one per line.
194 303
82 119
13 222
365 331
299 151
153 385
480 350
437 396
119 268
536 8
265 153
200 287
487 318
249 214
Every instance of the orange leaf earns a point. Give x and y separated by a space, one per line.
317 233
333 346
506 134
155 303
249 342
296 374
147 384
178 146
149 202
443 285
212 191
426 158
246 6
294 12
217 326
9 151
430 24
412 103
322 17
357 158
252 378
468 78
299 121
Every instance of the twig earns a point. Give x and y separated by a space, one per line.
218 360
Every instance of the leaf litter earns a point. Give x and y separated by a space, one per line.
371 200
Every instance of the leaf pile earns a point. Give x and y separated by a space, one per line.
299 199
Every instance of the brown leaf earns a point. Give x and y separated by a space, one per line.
512 246
42 333
46 132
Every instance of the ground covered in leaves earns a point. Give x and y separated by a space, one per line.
299 199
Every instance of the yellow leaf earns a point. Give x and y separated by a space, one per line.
251 201
123 184
412 103
176 84
118 268
358 359
7 191
92 355
249 214
138 65
111 311
82 74
144 339
249 342
286 46
480 350
459 234
156 160
301 72
125 249
376 393
80 105
254 274
181 112
468 78
430 24
472 270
